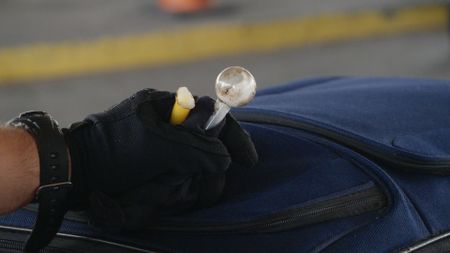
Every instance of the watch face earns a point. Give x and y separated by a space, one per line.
33 114
30 121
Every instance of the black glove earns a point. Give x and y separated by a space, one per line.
130 166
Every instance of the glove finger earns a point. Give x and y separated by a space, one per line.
188 135
198 191
161 100
204 108
110 214
144 205
155 105
211 189
238 143
168 194
163 191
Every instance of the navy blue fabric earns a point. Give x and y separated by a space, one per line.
430 196
285 171
408 117
405 117
306 170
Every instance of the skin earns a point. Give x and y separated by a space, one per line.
19 169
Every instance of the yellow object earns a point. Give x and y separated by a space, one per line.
62 59
184 102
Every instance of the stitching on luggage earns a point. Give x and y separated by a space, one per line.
411 151
317 81
329 127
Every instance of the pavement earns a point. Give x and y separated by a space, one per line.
420 52
31 21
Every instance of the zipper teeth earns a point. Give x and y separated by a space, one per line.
7 244
16 245
353 206
367 200
72 237
371 202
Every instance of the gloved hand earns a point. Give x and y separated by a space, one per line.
130 166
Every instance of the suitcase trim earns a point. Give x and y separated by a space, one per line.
369 198
404 161
426 243
78 237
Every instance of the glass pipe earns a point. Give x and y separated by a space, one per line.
235 86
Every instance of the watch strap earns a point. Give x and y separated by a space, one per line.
55 185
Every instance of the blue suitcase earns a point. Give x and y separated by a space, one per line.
346 165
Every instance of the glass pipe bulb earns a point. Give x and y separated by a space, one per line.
235 86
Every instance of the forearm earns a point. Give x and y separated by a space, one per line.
19 169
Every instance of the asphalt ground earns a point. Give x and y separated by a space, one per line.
417 47
32 21
422 55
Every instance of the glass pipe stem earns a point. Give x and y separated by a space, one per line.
220 111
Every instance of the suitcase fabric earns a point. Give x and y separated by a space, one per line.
346 165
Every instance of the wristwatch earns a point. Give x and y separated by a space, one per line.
55 184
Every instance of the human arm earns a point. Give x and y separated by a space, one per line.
128 165
19 169
129 149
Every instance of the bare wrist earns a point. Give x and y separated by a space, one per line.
30 164
19 167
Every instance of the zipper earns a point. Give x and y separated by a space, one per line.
17 246
371 199
437 167
12 244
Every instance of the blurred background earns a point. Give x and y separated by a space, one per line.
72 58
